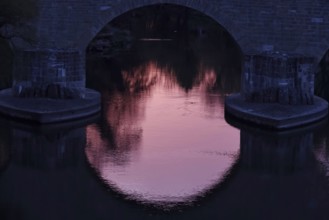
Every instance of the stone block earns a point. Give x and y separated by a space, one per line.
53 91
46 73
278 78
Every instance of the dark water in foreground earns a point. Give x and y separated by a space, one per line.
162 149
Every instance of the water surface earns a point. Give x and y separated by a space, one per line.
168 142
162 148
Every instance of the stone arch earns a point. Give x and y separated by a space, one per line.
107 13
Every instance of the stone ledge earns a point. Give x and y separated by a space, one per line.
274 115
46 110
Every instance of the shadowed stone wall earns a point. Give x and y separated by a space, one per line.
292 26
63 79
280 78
257 26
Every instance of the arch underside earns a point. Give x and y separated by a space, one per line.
253 30
107 14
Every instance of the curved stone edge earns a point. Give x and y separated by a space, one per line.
45 110
274 115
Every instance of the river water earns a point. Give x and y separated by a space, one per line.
162 148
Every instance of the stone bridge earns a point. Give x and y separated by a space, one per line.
63 29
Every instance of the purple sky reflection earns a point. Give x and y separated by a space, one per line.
185 146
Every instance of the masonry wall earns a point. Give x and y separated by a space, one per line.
293 26
257 26
278 78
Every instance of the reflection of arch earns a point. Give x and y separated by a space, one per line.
105 17
172 206
181 191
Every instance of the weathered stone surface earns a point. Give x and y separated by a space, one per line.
280 78
64 28
293 26
49 73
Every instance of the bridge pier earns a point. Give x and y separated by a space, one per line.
49 74
277 91
275 152
281 78
49 86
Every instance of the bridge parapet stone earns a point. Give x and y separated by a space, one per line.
278 78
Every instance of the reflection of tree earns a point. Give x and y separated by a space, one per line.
140 79
188 65
210 65
119 132
123 91
185 69
189 55
126 84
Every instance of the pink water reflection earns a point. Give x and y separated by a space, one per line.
183 148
